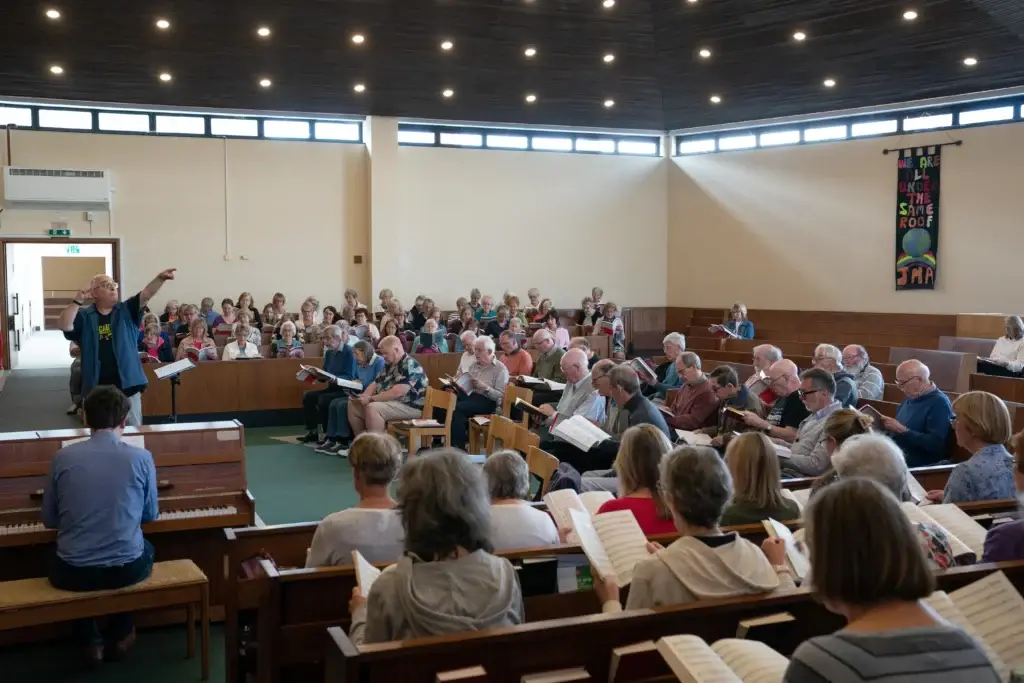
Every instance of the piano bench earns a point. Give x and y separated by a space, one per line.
32 602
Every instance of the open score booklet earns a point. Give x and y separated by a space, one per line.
613 542
729 660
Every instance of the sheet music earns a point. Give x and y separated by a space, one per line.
623 540
692 661
173 368
960 524
593 500
580 432
945 608
797 560
693 439
996 610
560 503
366 573
752 661
800 496
553 385
917 491
348 384
592 545
918 514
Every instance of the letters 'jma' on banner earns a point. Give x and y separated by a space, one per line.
917 217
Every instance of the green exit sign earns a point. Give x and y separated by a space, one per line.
58 232
73 249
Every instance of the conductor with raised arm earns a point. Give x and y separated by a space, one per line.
107 330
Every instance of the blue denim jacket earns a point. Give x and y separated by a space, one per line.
86 334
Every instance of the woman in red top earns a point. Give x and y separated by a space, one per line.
637 466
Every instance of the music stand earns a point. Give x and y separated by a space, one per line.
172 372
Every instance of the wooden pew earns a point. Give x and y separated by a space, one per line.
202 490
513 652
950 370
979 347
1006 388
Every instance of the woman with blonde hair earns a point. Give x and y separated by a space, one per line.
756 476
636 466
1005 542
244 303
738 323
840 426
982 426
197 344
385 296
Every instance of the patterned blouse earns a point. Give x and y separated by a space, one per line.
987 475
282 349
405 371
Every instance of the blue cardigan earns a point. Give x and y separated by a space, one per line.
341 362
124 322
745 329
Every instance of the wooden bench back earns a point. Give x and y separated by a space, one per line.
976 345
950 370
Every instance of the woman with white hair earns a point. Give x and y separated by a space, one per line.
448 581
1007 356
666 376
289 345
465 344
514 522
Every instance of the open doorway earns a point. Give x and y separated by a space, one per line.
40 278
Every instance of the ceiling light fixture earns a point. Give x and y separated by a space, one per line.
608 58
448 92
530 51
166 77
531 98
266 83
359 87
358 38
263 31
970 61
608 4
704 53
715 99
447 45
830 83
57 69
799 36
692 2
910 15
163 24
608 104
52 14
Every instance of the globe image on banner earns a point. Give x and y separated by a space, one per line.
917 244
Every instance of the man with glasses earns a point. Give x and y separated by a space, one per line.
107 332
830 359
788 411
695 404
870 383
922 423
807 456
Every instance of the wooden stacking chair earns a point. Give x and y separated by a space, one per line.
421 437
523 439
478 432
500 431
542 465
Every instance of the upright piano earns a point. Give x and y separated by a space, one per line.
200 470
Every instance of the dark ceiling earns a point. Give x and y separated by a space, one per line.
112 51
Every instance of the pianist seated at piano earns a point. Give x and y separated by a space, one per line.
448 580
372 527
241 346
289 345
704 563
1005 542
155 346
197 343
97 496
514 522
868 569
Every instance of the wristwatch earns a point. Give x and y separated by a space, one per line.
77 302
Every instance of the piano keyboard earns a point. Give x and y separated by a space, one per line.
32 527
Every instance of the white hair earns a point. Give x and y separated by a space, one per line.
675 338
467 337
486 341
873 456
289 323
829 351
771 353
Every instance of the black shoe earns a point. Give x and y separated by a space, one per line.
327 447
310 437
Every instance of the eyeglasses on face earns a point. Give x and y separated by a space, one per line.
905 382
804 393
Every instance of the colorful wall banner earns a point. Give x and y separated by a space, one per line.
917 217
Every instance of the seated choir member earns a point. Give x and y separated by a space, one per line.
307 327
553 325
395 312
152 319
870 383
982 425
517 359
808 454
437 343
462 317
514 522
533 295
197 341
456 315
764 356
788 410
868 569
840 426
243 304
465 345
448 580
268 316
583 345
548 363
695 404
155 345
385 297
352 299
877 457
373 526
228 315
514 311
830 359
615 424
474 300
486 312
725 385
364 327
418 313
637 467
596 295
397 393
255 337
278 309
738 323
170 314
186 314
331 316
757 492
289 345
579 397
97 496
544 309
338 435
1007 356
318 318
488 378
1005 542
922 422
610 324
665 375
390 328
588 313
499 323
340 361
207 312
241 346
435 314
704 563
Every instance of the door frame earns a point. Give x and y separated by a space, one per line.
115 264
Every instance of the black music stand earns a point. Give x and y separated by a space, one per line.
172 372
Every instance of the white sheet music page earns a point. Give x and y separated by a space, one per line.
623 541
947 609
592 545
752 661
996 610
960 524
692 661
560 503
917 514
593 500
366 573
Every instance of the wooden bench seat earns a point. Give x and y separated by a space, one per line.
176 583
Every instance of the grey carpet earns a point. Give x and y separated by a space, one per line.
36 400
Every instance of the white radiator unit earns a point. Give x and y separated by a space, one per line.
56 188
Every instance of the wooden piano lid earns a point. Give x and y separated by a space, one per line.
221 425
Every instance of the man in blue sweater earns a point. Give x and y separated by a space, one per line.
922 422
340 362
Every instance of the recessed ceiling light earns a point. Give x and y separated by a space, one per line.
163 24
531 98
608 58
799 35
530 51
57 69
359 87
447 45
358 38
166 77
970 61
265 83
52 14
704 53
910 15
263 31
715 99
448 92
830 83
692 2
609 104
608 3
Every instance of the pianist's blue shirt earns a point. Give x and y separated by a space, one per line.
99 493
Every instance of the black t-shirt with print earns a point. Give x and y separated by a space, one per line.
788 412
109 373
